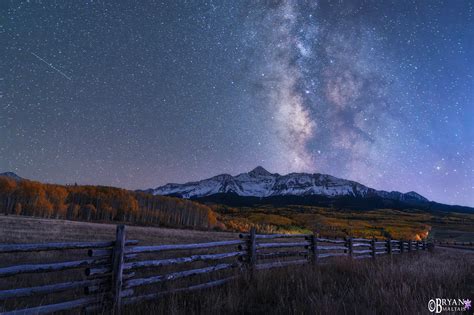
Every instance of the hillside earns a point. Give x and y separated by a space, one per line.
99 203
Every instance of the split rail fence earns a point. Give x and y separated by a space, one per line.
120 272
457 245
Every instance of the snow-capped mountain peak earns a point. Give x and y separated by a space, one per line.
261 183
259 171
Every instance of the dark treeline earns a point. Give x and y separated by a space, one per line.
99 203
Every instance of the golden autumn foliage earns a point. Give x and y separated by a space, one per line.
99 203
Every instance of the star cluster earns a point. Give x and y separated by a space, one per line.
140 94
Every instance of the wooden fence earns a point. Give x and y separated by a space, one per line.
457 245
120 272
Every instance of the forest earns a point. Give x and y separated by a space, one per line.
100 203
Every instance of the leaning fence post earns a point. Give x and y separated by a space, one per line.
389 246
117 268
252 251
372 245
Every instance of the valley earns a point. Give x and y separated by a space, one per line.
381 223
336 216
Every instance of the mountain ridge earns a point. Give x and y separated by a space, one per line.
262 187
261 183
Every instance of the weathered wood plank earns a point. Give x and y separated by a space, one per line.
322 247
106 286
361 245
100 270
117 268
372 246
252 251
58 266
176 275
12 248
277 245
328 240
281 264
361 240
313 249
97 288
270 236
160 248
180 260
350 246
47 289
362 256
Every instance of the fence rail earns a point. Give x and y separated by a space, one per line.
456 245
120 272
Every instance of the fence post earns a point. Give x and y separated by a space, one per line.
314 248
349 246
117 268
430 246
409 245
389 246
252 251
402 245
372 245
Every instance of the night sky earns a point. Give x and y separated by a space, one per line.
136 94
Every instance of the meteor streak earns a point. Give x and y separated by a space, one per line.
51 65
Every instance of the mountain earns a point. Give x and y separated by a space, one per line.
259 186
261 183
12 176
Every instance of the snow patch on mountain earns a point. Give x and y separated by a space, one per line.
261 183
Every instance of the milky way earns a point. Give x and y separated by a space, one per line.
379 92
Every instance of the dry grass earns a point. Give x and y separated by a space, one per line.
21 229
402 286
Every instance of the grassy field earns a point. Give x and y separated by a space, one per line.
402 285
21 229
